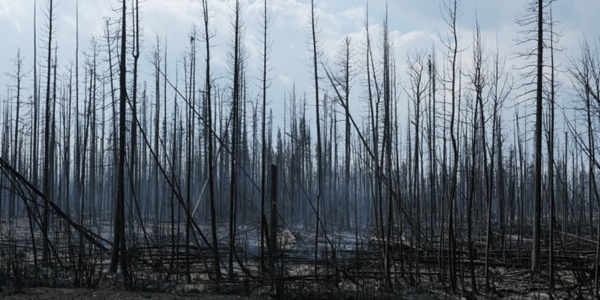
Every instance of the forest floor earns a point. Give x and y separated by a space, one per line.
352 271
109 294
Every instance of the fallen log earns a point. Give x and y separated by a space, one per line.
88 234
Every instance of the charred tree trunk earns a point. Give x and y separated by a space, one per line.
119 242
537 202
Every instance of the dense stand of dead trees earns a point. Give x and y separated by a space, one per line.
176 179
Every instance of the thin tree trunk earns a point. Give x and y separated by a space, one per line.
119 242
315 55
209 138
47 186
537 204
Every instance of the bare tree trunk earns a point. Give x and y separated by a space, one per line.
433 181
537 207
235 133
387 152
134 164
418 88
191 125
265 82
451 8
18 77
315 55
550 145
477 81
119 242
273 232
47 186
35 125
209 138
155 172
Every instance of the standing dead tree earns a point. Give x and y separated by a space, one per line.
265 83
237 61
416 93
533 22
210 149
585 74
119 255
49 127
451 16
18 76
537 208
316 53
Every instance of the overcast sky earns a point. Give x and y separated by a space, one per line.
414 26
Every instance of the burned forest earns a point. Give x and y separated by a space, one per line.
142 162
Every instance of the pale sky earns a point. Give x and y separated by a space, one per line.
414 26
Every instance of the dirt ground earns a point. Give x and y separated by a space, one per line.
100 294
